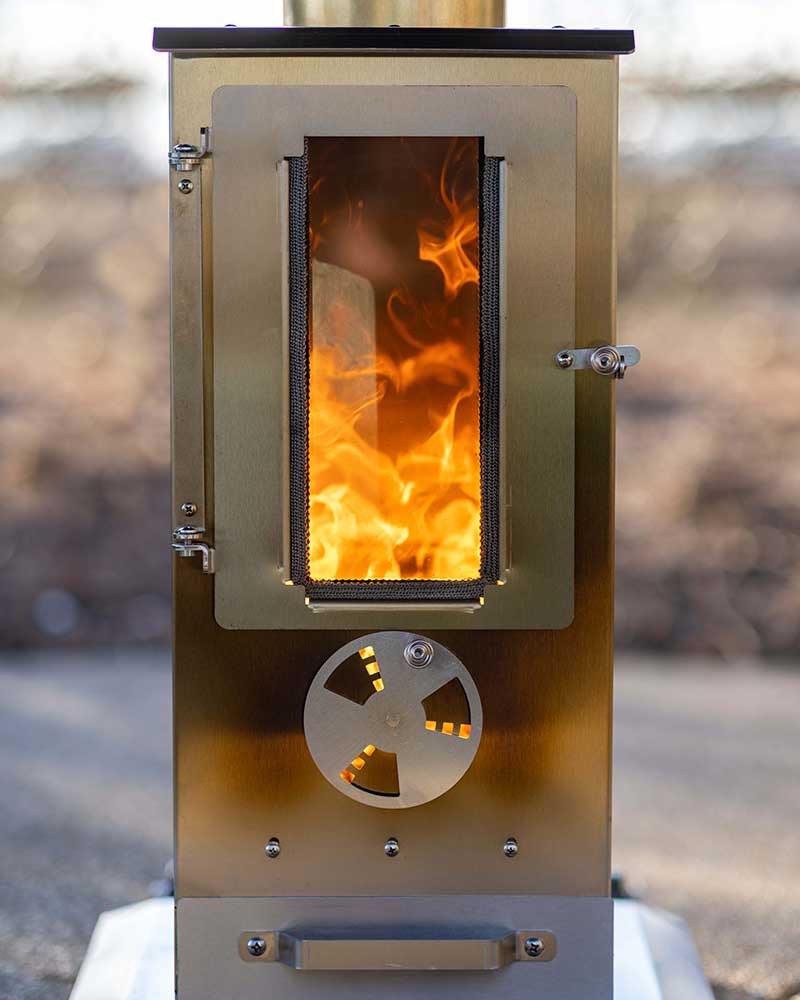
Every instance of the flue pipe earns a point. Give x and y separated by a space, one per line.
406 13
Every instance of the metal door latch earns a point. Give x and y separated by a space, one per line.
606 360
188 541
186 156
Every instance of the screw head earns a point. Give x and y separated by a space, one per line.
256 946
418 653
273 847
391 848
564 359
185 186
534 946
511 847
188 508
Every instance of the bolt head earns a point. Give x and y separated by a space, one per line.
511 848
605 360
188 533
273 847
564 359
185 186
188 508
418 653
391 848
256 946
534 946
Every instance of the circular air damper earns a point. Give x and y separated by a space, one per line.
393 720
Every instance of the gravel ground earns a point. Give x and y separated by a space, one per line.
707 809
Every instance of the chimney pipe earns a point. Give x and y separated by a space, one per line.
406 13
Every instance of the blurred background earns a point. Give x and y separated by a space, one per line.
708 543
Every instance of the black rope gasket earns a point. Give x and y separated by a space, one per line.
299 288
490 367
489 332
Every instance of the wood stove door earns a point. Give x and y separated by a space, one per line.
531 133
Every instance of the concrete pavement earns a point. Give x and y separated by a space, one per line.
85 821
707 812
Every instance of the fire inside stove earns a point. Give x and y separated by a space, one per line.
393 382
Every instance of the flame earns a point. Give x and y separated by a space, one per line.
446 245
394 447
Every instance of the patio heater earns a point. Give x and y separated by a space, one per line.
393 311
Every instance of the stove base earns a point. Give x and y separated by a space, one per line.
130 957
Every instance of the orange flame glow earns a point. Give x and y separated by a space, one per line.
447 246
394 446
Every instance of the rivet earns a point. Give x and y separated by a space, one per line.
185 186
391 848
256 946
511 847
273 847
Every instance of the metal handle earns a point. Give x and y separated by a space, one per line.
316 952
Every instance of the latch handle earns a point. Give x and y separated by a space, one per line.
606 360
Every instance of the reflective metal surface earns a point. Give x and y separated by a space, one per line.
418 653
272 848
188 541
187 341
654 958
396 947
243 772
605 360
408 13
256 947
314 951
256 125
408 718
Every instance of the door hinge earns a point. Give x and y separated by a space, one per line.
185 156
188 541
606 360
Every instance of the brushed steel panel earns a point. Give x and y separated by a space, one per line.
255 128
211 967
244 772
542 774
188 347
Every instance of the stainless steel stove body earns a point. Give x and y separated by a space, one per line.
393 614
